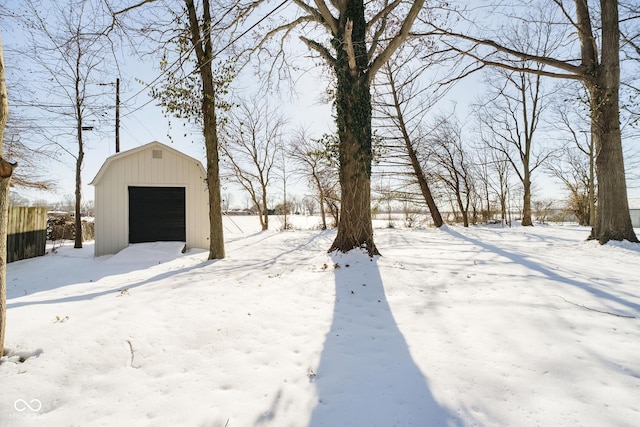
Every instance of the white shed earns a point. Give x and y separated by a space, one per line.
148 194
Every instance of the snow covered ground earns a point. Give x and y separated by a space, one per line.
485 326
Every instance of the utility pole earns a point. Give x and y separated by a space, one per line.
117 111
118 115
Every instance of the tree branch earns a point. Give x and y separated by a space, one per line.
578 71
285 27
399 38
519 69
130 8
326 14
320 18
376 39
323 51
382 14
348 47
596 310
466 73
114 15
630 42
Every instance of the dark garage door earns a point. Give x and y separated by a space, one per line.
156 214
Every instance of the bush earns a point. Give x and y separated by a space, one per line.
61 226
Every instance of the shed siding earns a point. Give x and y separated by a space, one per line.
635 217
139 168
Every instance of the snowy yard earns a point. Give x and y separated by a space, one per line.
485 326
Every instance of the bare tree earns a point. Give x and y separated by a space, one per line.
355 39
68 46
630 55
20 148
493 177
6 170
513 107
511 118
310 204
499 182
597 67
452 163
16 199
283 172
572 169
226 202
200 31
252 139
384 196
542 210
25 139
315 162
576 167
402 106
193 93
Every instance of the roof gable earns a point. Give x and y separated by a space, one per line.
150 146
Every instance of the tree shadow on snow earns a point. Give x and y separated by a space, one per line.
366 375
68 266
551 274
114 290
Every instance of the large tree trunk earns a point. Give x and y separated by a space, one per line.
613 220
216 237
204 54
6 169
353 117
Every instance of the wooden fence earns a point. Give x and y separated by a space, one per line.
27 232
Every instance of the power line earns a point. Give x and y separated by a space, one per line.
229 44
249 29
18 104
212 57
143 105
172 65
